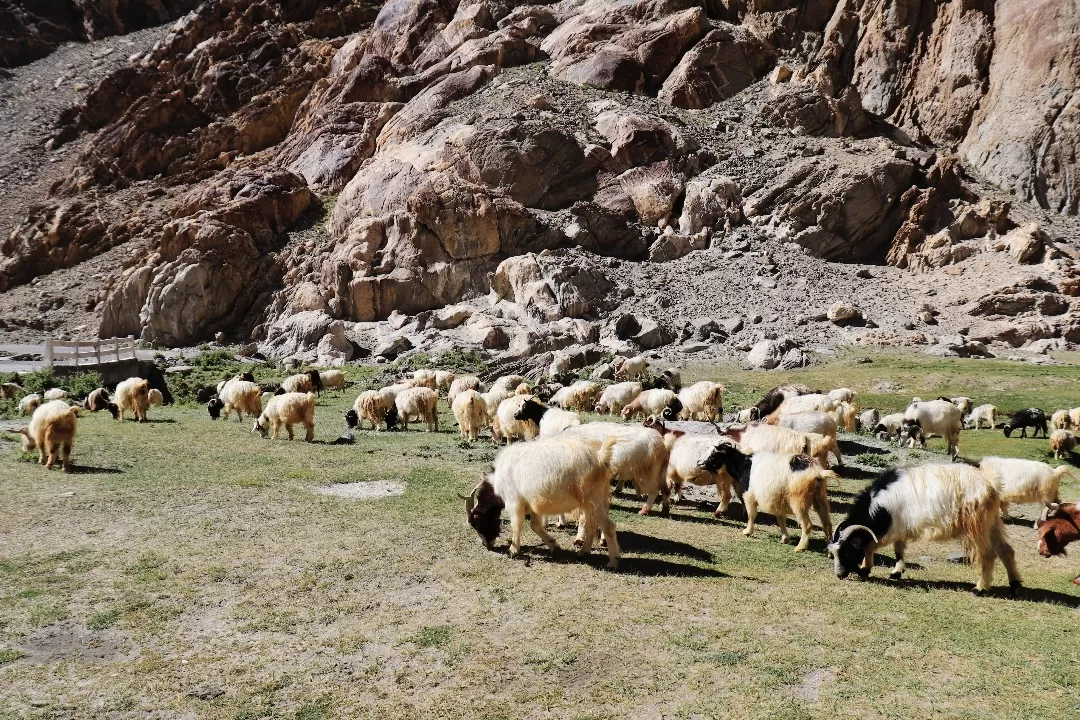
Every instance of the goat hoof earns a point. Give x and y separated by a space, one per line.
612 565
896 576
1016 589
863 573
978 592
643 511
578 543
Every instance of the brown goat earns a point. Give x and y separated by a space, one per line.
1058 526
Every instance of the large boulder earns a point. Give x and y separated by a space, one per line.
726 61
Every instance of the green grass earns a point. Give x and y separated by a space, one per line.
198 556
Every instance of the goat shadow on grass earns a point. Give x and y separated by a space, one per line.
850 472
158 421
1021 521
91 470
653 567
998 591
630 541
854 447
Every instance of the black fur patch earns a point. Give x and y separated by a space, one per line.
770 402
671 412
391 418
214 407
115 411
531 411
799 463
247 376
316 379
352 418
486 515
345 438
279 391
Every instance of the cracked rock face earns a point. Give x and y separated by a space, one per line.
523 162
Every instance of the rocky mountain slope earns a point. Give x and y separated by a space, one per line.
334 178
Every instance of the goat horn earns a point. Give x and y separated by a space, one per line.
846 533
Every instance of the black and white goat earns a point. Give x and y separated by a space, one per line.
936 502
1024 419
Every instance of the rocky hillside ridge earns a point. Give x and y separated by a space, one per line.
332 179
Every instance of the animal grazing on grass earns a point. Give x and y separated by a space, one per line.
1024 419
982 414
302 383
420 403
470 413
783 484
332 380
154 397
937 502
10 391
29 404
1061 442
662 403
615 397
552 476
242 396
133 395
290 409
775 397
1024 481
932 417
702 401
52 433
669 379
581 396
424 378
1060 420
630 368
55 394
99 400
1058 526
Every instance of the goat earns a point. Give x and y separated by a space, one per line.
552 476
981 414
938 502
706 460
1058 526
782 484
1060 420
288 410
663 403
470 413
420 403
761 437
460 385
51 432
615 397
630 368
1024 481
1024 419
99 399
133 395
703 401
549 420
933 417
332 380
821 423
302 383
775 397
1061 442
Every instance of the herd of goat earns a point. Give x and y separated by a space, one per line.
775 457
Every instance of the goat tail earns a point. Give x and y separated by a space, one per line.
607 450
978 521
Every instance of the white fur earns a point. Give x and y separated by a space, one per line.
648 402
1024 481
29 404
133 395
506 426
332 379
371 405
840 395
1061 442
424 378
1060 420
781 491
300 383
806 403
288 409
55 394
155 398
821 423
555 421
982 414
51 432
461 384
702 401
420 403
762 437
936 417
639 456
688 453
443 380
615 397
630 368
243 397
470 413
581 395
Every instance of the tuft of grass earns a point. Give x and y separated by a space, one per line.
102 620
881 460
10 656
436 637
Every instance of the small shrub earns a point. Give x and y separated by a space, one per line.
437 636
102 620
9 656
881 460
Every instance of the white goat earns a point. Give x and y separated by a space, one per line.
1061 442
581 395
332 379
933 417
615 397
701 459
288 409
443 380
630 368
460 385
505 423
1060 420
702 401
815 422
51 432
661 403
243 397
981 414
420 403
1024 481
840 395
470 413
29 404
133 395
783 484
55 394
552 476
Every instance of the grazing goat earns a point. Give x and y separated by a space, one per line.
869 418
99 400
783 484
133 395
814 402
1058 526
775 397
1060 420
505 424
580 396
550 421
760 437
1061 442
840 395
420 403
30 403
55 394
706 460
10 391
560 365
845 416
662 403
460 385
508 383
820 423
1024 481
640 456
963 404
933 417
702 401
424 378
936 502
470 413
443 380
1074 417
1030 418
371 405
616 397
303 383
51 432
670 379
552 476
154 397
981 414
332 380
288 410
243 397
630 368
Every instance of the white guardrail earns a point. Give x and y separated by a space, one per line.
89 352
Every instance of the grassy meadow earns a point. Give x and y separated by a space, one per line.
190 569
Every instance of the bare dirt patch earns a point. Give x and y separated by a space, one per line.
371 490
68 640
